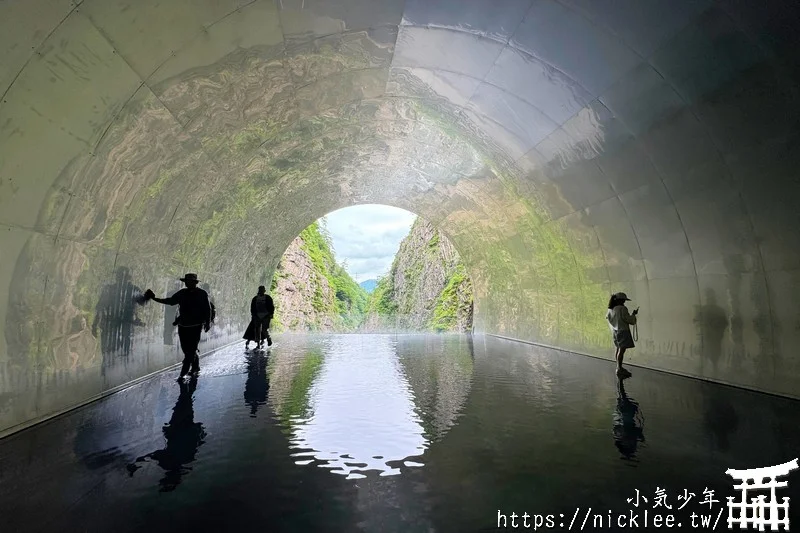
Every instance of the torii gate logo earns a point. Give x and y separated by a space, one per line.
757 511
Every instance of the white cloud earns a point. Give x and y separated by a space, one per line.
368 237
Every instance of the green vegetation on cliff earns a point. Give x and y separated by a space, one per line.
454 301
427 288
350 301
382 300
327 298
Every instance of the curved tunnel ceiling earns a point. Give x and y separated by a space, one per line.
568 148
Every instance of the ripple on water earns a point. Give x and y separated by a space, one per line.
371 403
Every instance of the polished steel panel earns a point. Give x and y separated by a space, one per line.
439 48
495 20
574 45
169 26
24 26
643 25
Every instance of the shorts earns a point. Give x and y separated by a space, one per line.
623 339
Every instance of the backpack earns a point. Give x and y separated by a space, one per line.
261 303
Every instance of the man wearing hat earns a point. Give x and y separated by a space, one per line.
194 317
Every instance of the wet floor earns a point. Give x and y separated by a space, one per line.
397 433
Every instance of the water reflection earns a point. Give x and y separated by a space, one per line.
291 374
628 423
183 437
719 418
493 437
440 375
374 403
256 388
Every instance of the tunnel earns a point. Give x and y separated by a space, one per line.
569 149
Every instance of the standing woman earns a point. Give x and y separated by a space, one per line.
620 321
262 309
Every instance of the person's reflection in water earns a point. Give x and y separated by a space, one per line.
115 315
256 388
184 436
719 417
628 424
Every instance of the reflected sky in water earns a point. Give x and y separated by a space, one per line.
363 413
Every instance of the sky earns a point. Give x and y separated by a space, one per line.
367 237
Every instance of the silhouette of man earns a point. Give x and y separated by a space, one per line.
193 318
262 309
184 436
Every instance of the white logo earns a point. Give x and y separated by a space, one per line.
759 511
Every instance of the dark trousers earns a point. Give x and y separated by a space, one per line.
190 339
262 328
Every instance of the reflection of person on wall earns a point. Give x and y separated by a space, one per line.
720 419
628 423
620 321
194 316
115 315
256 387
184 436
262 309
711 321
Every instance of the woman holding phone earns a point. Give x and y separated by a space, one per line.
620 321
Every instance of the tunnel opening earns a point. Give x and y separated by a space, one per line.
372 268
569 149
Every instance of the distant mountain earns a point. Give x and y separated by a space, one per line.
369 285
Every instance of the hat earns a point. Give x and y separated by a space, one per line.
622 296
189 277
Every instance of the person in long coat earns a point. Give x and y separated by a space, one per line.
262 310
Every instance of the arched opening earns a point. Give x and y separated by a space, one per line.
372 269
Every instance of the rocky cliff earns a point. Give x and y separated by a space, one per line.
427 288
311 291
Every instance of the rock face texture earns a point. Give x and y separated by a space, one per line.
427 288
312 292
295 285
